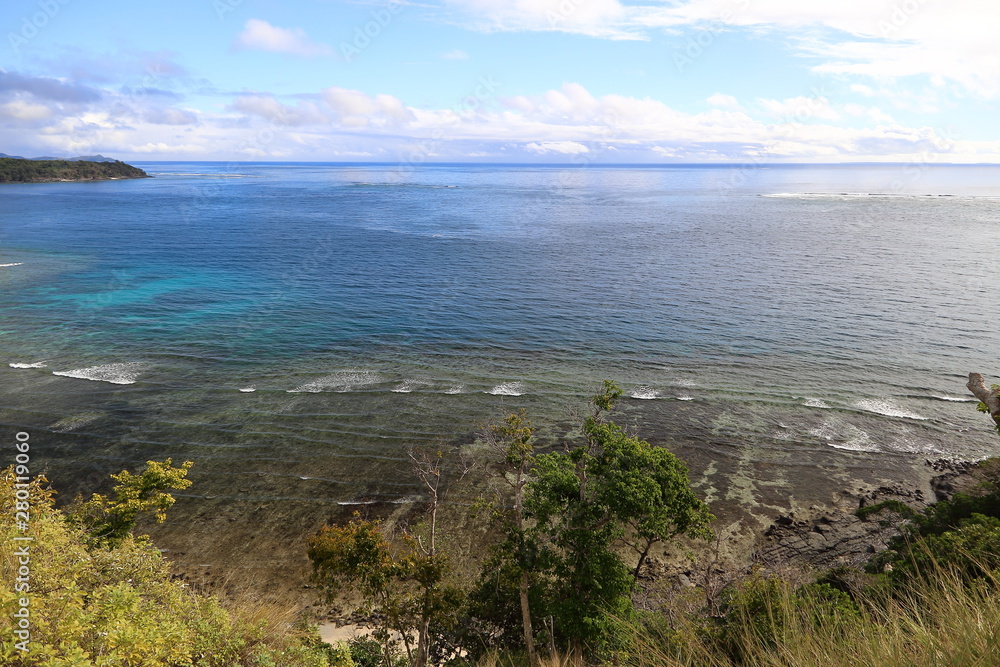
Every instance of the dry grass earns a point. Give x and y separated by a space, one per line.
940 622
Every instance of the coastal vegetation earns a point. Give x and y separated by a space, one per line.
564 581
15 170
98 595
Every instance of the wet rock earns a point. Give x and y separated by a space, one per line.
826 538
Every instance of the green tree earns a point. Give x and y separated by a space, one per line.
589 501
511 458
111 518
401 585
404 581
358 557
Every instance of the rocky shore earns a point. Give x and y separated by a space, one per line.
823 539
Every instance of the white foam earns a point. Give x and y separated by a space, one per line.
957 399
455 389
815 403
644 392
508 389
852 447
397 501
250 389
39 364
685 398
813 195
11 264
124 373
683 382
841 435
872 195
406 386
340 381
883 407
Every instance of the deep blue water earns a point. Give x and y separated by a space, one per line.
797 310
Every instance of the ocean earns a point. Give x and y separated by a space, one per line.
292 328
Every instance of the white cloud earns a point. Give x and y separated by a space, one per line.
163 147
262 36
874 113
268 107
952 41
564 147
881 39
25 111
455 54
800 109
553 125
357 109
597 18
724 101
170 116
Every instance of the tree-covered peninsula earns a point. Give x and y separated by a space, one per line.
16 170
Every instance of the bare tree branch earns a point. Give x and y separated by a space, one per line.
990 397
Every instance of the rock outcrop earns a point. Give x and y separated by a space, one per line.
824 539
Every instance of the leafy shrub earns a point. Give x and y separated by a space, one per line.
115 604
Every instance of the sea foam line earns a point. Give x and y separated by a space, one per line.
956 399
340 381
886 408
508 389
815 403
407 386
644 392
122 373
39 364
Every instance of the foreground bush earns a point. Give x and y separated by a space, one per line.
116 604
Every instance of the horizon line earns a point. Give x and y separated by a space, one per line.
587 165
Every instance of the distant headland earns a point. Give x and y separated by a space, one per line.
15 169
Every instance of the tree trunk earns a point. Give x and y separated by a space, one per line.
991 397
529 635
576 652
423 644
642 561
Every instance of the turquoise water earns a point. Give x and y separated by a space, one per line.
305 322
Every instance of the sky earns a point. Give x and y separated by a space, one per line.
521 81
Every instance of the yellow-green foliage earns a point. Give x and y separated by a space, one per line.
339 655
117 604
112 518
